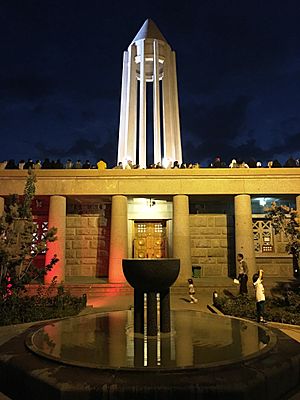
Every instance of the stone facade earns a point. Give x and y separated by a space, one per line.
87 244
210 235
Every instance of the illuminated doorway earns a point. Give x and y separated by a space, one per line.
150 239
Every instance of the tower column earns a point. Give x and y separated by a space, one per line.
156 104
122 146
167 123
181 236
131 106
142 125
244 242
1 206
175 123
57 219
118 239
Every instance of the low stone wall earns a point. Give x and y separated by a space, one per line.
87 244
275 265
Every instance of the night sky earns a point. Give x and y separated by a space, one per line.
238 67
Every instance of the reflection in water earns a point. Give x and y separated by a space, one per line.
107 341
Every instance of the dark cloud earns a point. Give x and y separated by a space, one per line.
27 87
220 123
82 148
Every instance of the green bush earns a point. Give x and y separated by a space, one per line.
45 304
284 308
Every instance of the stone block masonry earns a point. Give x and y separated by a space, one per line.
87 244
209 243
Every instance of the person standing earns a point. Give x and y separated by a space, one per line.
259 295
192 291
243 274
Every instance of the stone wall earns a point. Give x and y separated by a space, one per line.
278 263
87 244
210 235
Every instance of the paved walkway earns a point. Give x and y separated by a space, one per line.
179 301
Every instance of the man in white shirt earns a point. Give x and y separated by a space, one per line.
259 294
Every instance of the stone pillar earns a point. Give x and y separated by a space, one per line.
118 239
181 237
138 319
57 219
244 242
151 314
1 206
298 203
165 313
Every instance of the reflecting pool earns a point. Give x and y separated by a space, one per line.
107 340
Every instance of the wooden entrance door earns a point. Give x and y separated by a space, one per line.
150 240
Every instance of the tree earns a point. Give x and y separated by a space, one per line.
17 254
286 220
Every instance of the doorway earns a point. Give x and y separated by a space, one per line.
150 239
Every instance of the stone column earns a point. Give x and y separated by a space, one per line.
118 239
1 206
57 219
244 242
181 237
298 203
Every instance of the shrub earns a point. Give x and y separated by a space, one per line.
282 308
53 302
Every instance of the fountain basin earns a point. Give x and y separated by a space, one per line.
151 274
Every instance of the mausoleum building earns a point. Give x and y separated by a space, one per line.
201 216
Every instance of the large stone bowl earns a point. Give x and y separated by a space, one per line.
151 274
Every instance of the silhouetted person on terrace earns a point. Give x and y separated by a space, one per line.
3 164
86 165
291 162
29 164
233 163
78 164
46 164
119 166
69 164
21 164
57 164
251 162
37 164
276 164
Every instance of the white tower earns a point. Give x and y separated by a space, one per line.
149 58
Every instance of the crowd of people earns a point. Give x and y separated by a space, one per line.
101 164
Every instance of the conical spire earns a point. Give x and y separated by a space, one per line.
149 30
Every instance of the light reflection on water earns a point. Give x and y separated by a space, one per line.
106 340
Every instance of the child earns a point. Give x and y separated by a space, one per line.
243 274
259 294
192 291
